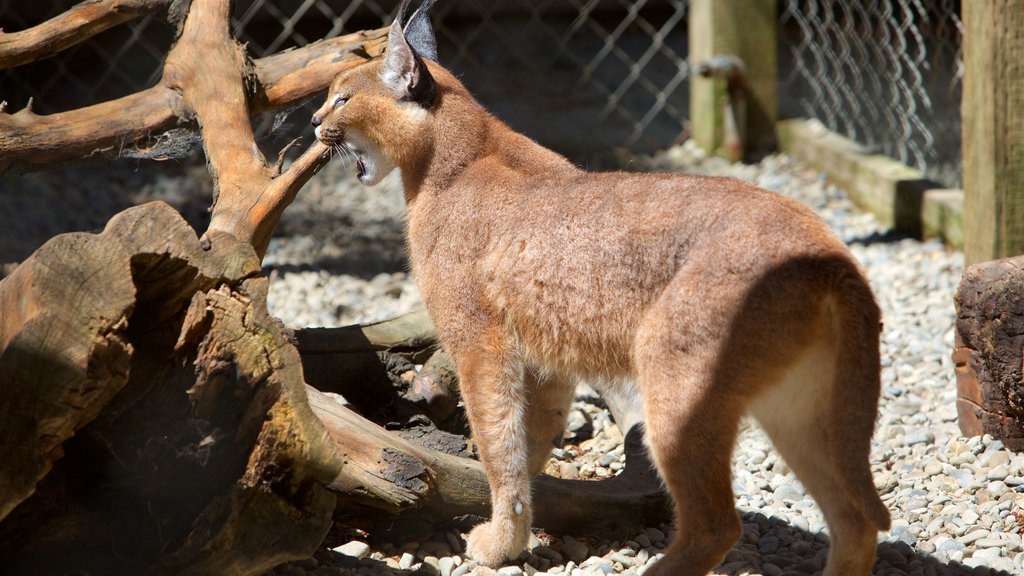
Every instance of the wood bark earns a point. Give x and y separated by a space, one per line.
989 352
386 473
154 414
154 419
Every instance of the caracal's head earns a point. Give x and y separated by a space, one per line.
377 111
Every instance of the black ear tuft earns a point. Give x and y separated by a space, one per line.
404 71
420 34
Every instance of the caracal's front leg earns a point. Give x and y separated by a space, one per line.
491 378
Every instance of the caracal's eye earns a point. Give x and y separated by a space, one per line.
339 101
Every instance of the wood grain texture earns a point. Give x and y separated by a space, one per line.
385 473
992 112
154 409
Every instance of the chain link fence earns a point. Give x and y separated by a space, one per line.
885 73
587 77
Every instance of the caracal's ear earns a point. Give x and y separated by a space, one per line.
420 34
403 70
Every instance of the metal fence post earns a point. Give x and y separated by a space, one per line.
748 30
992 112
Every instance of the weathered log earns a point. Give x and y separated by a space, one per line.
989 352
353 360
384 473
154 414
154 417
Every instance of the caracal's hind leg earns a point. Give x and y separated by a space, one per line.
798 417
492 385
691 426
548 402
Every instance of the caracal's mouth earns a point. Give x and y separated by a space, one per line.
360 166
339 145
363 162
371 165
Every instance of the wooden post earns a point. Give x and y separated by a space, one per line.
993 129
748 30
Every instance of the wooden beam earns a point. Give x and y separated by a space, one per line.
993 129
748 30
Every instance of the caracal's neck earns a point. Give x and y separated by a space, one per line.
463 134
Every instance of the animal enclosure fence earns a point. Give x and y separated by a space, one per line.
589 76
885 73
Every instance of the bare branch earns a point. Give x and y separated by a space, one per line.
69 28
209 68
293 76
30 143
255 222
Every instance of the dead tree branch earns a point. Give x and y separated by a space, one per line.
69 28
30 142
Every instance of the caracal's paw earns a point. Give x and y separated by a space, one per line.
491 543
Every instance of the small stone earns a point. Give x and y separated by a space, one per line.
547 552
355 548
973 536
655 535
575 551
768 545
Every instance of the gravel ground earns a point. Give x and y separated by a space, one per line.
338 258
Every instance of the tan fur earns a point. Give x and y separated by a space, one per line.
709 297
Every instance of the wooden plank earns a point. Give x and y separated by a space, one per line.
747 29
993 129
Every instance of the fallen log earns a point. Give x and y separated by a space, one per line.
154 417
385 473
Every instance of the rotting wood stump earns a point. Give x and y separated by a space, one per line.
154 418
989 353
